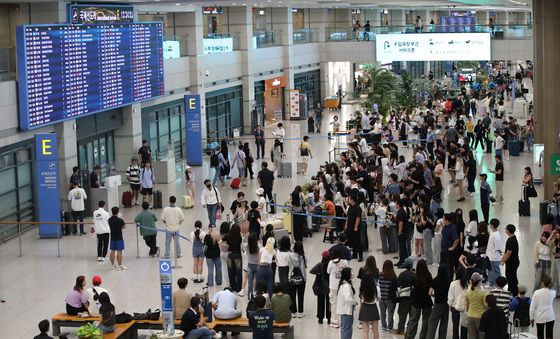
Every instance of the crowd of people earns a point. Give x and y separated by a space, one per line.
374 189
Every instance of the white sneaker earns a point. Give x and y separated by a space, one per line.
334 325
300 315
360 326
99 259
217 335
294 315
115 268
122 268
241 293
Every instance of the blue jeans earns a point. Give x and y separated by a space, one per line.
202 332
265 273
529 141
168 236
212 210
235 272
428 235
498 151
251 274
346 322
404 247
493 272
214 263
217 175
434 206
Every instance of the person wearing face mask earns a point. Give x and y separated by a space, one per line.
212 201
543 260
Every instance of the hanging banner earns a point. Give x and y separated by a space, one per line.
166 296
193 130
47 200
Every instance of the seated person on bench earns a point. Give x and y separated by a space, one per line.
261 320
193 323
107 311
76 300
225 305
44 329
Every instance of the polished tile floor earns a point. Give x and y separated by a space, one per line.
36 284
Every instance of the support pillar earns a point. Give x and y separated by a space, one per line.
67 156
283 22
128 138
537 73
547 13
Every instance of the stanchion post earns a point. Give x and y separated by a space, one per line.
19 239
137 241
292 221
58 241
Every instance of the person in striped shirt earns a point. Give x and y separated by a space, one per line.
133 177
503 296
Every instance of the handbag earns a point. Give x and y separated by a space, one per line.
155 314
296 276
123 318
318 285
404 292
531 192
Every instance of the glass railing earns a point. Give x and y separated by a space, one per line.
175 46
263 39
219 43
7 64
499 31
302 36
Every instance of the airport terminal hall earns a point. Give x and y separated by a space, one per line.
279 169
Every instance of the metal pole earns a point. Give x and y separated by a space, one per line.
137 242
19 239
58 241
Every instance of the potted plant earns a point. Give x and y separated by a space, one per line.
89 331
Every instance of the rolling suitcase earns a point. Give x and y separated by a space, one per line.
66 217
126 200
489 146
543 211
187 201
235 183
524 208
157 203
299 169
513 147
284 169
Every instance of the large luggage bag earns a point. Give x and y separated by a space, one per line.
489 146
66 229
126 199
513 147
524 208
300 165
284 169
235 183
543 211
157 202
186 201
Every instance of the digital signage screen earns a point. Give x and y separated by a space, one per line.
68 71
96 13
433 47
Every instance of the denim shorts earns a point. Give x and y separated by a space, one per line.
116 245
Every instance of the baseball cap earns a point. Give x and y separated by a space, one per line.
476 277
326 254
96 280
408 263
260 191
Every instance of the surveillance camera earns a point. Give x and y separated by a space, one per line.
207 73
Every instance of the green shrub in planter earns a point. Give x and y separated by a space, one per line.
89 331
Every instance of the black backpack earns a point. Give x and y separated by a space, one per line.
214 161
521 316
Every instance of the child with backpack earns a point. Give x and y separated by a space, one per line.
520 306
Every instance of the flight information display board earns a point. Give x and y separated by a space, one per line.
68 71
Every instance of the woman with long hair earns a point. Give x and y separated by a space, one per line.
224 251
264 270
368 272
440 312
475 305
346 303
322 291
493 322
252 255
455 295
460 176
369 314
435 193
421 301
543 261
426 224
527 183
297 291
77 299
189 183
107 312
388 298
472 226
212 254
197 237
283 262
249 160
541 310
437 235
234 261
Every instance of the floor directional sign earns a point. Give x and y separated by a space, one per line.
166 296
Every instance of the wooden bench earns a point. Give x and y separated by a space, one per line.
242 325
126 330
154 324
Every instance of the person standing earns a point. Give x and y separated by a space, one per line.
470 165
239 159
421 301
75 178
94 177
494 252
172 216
297 261
318 117
280 134
402 225
189 183
146 221
259 141
352 228
449 242
145 153
44 330
511 259
147 179
305 153
367 30
212 201
322 292
133 177
388 295
475 305
541 310
499 179
213 261
117 242
404 289
346 303
485 192
356 29
265 177
439 289
77 197
102 229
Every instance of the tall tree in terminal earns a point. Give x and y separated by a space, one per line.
382 90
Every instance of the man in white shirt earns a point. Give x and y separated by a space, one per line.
366 125
93 295
172 216
494 252
211 200
77 197
364 147
377 130
225 305
102 229
280 134
498 144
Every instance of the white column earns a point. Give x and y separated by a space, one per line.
128 138
318 18
397 17
283 22
67 155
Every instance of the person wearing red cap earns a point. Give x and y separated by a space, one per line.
93 295
321 288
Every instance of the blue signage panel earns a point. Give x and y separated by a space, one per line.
47 187
98 13
68 71
166 296
194 130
